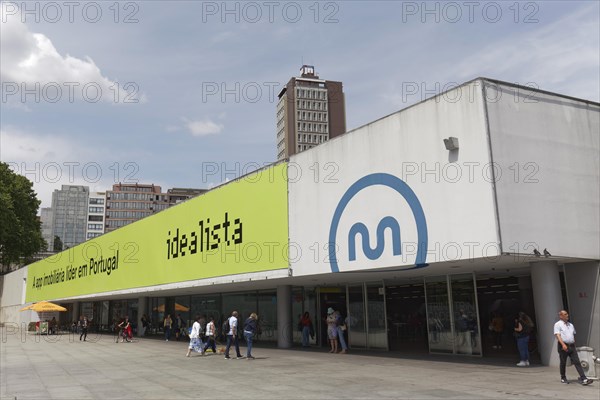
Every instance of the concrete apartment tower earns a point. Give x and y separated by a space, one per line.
70 211
310 111
95 218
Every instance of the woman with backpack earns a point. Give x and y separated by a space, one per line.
523 327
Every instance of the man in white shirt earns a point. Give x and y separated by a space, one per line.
232 336
565 334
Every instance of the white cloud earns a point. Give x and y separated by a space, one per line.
561 57
203 127
547 57
50 161
29 61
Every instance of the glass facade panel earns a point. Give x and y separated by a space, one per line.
210 306
157 315
357 329
464 306
267 315
438 315
376 318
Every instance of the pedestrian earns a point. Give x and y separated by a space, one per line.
307 328
167 323
341 328
210 333
52 326
232 336
565 334
83 324
195 342
178 326
126 330
523 327
332 330
497 328
250 327
118 328
144 321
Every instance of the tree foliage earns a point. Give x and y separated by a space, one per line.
58 244
20 228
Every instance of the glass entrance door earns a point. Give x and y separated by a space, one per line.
466 317
366 316
439 321
357 329
452 315
376 316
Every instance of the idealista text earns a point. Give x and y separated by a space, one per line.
211 237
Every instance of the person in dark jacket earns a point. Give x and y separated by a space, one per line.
250 327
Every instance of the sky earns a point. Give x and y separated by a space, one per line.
184 93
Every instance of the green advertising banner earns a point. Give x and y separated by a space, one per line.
241 227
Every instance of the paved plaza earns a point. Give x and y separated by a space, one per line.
62 367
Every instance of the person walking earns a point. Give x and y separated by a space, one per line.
565 334
178 326
83 324
126 330
195 342
232 336
211 331
250 327
523 327
332 330
341 328
167 323
307 328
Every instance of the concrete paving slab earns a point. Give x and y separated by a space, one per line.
31 368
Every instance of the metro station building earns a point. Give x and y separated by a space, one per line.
418 227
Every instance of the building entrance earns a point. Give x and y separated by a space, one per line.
407 317
452 316
363 310
500 300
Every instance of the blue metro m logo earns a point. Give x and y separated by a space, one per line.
387 222
374 254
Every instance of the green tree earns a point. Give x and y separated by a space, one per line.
20 228
58 244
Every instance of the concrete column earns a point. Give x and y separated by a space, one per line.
284 317
75 311
142 305
548 302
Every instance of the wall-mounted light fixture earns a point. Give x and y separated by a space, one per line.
451 143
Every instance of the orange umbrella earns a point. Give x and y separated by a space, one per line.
44 306
178 307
